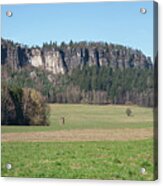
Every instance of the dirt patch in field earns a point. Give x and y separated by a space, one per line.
80 135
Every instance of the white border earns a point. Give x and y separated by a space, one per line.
61 182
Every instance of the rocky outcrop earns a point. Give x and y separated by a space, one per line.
13 54
64 58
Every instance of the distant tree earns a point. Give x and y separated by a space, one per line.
16 94
63 44
128 112
71 43
8 113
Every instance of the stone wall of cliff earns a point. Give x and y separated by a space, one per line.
66 57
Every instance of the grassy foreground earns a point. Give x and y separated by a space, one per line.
91 116
95 160
87 160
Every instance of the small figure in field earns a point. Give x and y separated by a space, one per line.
63 120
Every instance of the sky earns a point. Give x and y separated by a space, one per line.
112 22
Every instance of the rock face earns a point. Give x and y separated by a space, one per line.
15 55
66 57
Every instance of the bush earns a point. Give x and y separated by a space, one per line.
128 112
22 106
35 109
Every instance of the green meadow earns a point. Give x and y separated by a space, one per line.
121 160
90 116
87 160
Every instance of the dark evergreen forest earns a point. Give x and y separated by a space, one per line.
91 85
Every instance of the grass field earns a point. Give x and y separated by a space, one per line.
102 159
96 160
91 116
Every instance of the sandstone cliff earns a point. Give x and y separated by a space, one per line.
66 57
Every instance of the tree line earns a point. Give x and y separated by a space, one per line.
92 85
105 85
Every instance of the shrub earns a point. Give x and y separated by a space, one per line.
128 112
35 109
22 106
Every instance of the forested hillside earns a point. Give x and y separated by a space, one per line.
84 72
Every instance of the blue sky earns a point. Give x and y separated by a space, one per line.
112 22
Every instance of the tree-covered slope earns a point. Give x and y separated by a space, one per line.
84 72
